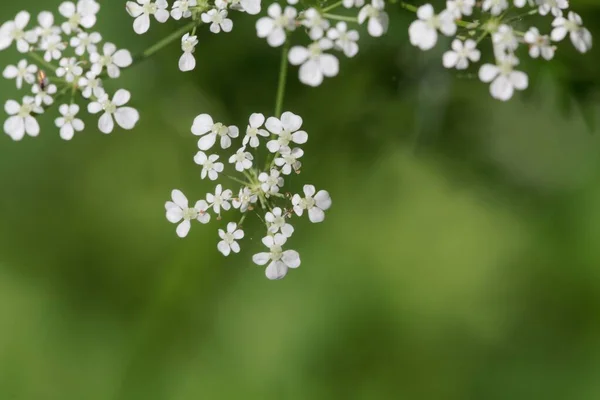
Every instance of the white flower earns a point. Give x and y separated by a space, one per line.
181 8
288 159
539 44
90 85
580 36
278 259
249 6
44 96
228 242
274 26
378 19
315 63
344 39
292 2
112 59
85 42
21 72
271 182
253 130
142 10
521 3
495 7
68 124
315 204
218 20
53 48
242 160
209 165
126 117
204 126
553 6
46 29
20 120
458 8
503 77
423 32
353 3
287 130
316 24
277 222
504 39
179 209
244 199
69 68
83 14
187 62
461 54
220 199
15 31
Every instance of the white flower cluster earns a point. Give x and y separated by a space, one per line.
261 188
82 64
493 19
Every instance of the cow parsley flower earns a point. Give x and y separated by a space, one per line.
53 48
503 77
316 24
21 72
21 121
580 36
315 64
245 198
85 42
178 210
90 85
253 131
187 62
458 8
344 39
83 14
555 7
378 19
287 130
219 200
204 126
46 28
288 159
277 222
218 20
181 9
251 7
279 260
126 117
423 32
69 68
68 123
461 54
276 24
242 160
539 44
271 182
14 31
315 204
143 9
228 242
209 164
504 39
495 7
112 59
44 97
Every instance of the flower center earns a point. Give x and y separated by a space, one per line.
209 164
25 110
252 132
307 203
220 129
105 60
314 50
190 213
17 34
276 253
109 106
229 238
74 20
506 67
149 8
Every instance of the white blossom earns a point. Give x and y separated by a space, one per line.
187 62
126 117
288 159
315 204
53 48
14 31
242 160
21 72
143 9
316 24
46 28
228 239
44 97
353 3
503 77
82 14
423 32
85 42
20 120
276 24
279 260
277 222
315 64
111 59
580 36
461 54
69 68
210 166
539 44
271 182
244 199
68 123
495 7
178 210
91 85
287 130
218 20
254 130
220 200
555 7
344 39
458 8
251 7
504 39
378 19
204 126
181 9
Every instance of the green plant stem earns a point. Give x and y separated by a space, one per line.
340 17
331 7
408 7
164 42
282 79
40 60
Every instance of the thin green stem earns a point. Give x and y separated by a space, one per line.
408 7
521 16
340 17
40 60
165 42
282 79
238 180
333 6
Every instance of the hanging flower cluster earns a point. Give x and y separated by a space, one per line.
68 59
261 192
496 20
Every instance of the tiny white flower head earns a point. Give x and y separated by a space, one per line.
254 130
292 2
521 3
181 9
423 32
378 19
187 62
316 24
503 77
251 7
353 3
90 85
580 36
111 59
204 126
288 160
46 28
315 64
271 182
504 39
242 160
126 117
244 199
344 39
556 7
210 166
21 72
458 8
69 68
14 31
277 222
219 200
218 20
287 130
21 121
539 44
495 7
44 97
461 54
179 209
85 42
228 239
279 260
82 14
68 123
315 204
143 9
53 48
276 24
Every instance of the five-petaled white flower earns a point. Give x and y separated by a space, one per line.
423 32
179 209
378 19
126 117
315 204
69 68
503 77
458 8
344 39
91 85
53 48
461 54
271 182
242 160
316 24
218 20
539 44
504 40
495 7
15 31
279 260
254 130
277 222
21 72
142 10
244 199
315 63
287 131
274 26
187 62
210 166
85 42
84 14
553 6
112 59
220 199
181 9
44 96
20 120
288 159
68 123
228 242
46 28
580 36
204 126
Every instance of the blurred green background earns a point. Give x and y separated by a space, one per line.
460 259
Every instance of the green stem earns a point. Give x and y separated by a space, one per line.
164 42
521 16
40 60
282 78
340 17
331 7
408 7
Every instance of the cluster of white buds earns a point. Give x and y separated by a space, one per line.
261 192
67 60
496 21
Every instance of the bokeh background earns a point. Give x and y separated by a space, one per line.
460 259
